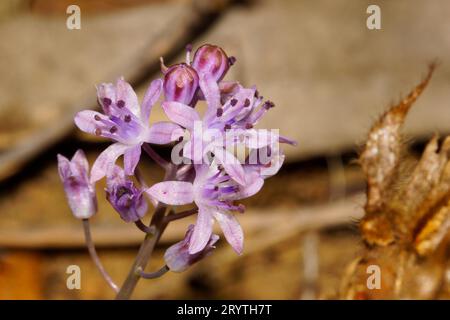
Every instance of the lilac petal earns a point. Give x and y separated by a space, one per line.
211 92
202 230
63 167
150 98
274 166
79 159
172 192
231 229
85 120
125 92
254 184
79 165
177 256
164 132
106 90
194 149
231 165
115 176
106 160
131 159
180 113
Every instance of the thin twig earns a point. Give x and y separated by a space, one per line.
94 256
152 275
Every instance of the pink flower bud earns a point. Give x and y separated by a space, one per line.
180 83
212 60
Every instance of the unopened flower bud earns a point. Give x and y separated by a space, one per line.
212 60
180 83
79 191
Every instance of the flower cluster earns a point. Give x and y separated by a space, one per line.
218 156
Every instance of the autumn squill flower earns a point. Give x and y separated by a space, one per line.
125 196
230 125
213 176
79 190
125 122
178 258
214 193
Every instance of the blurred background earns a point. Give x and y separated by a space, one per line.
328 74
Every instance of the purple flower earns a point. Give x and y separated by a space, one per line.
229 125
180 83
79 191
125 122
178 258
124 196
214 193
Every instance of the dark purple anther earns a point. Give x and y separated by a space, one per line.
106 102
268 104
120 104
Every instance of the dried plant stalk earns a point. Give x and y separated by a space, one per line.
406 223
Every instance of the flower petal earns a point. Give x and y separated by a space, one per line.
172 192
211 93
150 98
106 160
131 159
85 120
79 159
231 229
254 184
114 177
106 90
231 165
125 92
180 113
63 167
164 132
202 230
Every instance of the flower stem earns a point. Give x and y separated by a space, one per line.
153 275
143 256
94 255
148 245
143 227
180 215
